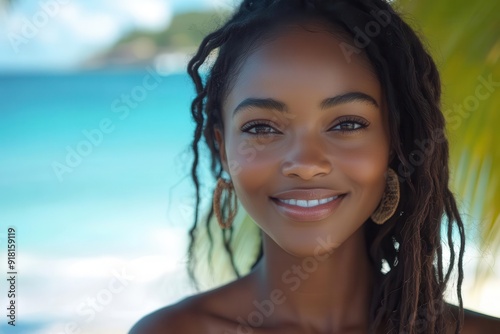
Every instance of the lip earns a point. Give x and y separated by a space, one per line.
307 214
307 194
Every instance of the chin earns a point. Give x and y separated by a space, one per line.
304 245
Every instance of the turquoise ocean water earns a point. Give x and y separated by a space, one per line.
45 117
93 165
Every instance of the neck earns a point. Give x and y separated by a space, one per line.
328 292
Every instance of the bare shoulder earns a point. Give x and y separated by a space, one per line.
173 319
213 311
476 323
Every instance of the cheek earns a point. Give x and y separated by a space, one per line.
251 167
364 166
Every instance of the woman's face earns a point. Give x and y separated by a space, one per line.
305 121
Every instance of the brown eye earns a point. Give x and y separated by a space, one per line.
350 124
257 128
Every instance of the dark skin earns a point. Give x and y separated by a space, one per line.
315 276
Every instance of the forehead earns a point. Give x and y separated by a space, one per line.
303 59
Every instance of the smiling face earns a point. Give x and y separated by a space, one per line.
306 139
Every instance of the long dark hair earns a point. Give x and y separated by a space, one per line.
408 294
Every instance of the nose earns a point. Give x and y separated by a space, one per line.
306 159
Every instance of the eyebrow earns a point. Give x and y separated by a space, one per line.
330 102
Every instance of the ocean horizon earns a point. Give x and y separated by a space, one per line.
90 163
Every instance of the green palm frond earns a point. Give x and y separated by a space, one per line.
463 37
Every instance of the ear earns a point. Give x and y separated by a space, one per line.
219 137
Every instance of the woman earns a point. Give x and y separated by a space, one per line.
323 119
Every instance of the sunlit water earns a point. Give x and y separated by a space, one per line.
92 181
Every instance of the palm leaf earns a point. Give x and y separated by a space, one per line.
463 37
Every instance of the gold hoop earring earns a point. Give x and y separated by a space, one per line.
231 197
390 199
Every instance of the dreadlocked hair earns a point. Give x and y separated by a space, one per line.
408 294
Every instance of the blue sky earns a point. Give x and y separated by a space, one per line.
58 34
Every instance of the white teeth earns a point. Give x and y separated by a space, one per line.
301 202
307 204
313 202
